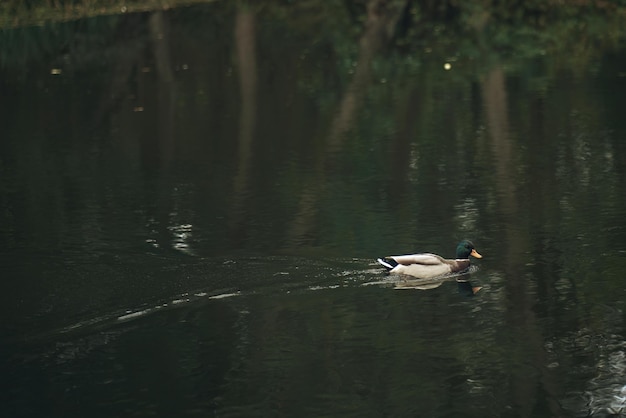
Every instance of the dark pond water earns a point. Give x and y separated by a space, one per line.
191 203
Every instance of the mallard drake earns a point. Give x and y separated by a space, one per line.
426 266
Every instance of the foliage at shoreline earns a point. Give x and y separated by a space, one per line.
20 13
453 31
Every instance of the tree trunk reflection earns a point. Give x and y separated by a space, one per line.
245 40
519 314
382 17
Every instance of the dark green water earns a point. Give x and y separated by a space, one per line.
191 203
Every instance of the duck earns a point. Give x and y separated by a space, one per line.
428 266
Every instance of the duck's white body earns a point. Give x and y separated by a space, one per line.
423 266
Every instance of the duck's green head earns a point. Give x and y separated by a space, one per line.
465 249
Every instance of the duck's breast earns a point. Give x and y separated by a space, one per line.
459 265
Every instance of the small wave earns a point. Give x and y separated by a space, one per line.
332 286
134 315
183 299
224 295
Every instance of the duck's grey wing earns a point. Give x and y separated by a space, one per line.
423 259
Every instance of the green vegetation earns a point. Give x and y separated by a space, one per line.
465 34
19 13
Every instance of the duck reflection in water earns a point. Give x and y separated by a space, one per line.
466 288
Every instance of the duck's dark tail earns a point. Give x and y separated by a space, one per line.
387 262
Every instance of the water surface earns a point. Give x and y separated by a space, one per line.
192 200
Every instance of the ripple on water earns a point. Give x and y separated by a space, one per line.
182 300
604 393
